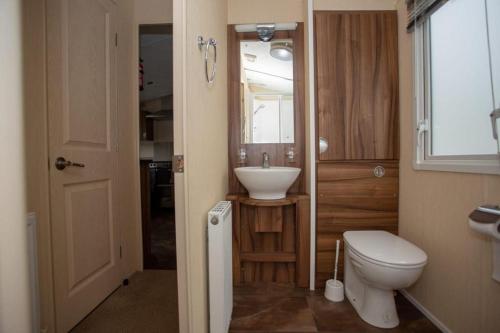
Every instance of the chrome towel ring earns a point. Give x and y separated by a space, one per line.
205 44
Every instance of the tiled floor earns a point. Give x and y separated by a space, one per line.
278 308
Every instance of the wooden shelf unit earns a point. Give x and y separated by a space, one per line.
271 239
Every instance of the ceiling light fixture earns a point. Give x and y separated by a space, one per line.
282 51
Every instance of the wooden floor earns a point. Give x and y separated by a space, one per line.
279 308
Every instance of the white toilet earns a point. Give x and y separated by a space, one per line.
377 263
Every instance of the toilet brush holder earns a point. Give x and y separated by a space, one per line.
334 290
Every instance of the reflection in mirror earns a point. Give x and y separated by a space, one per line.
267 113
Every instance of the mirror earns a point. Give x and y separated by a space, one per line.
266 90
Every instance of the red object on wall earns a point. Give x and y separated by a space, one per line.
141 75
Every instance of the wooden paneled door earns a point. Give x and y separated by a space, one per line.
357 84
356 74
82 128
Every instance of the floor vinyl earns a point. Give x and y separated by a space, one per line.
279 308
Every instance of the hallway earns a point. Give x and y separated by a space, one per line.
147 304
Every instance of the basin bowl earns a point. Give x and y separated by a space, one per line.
267 183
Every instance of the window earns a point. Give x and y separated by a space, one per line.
457 86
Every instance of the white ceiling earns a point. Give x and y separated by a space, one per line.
266 72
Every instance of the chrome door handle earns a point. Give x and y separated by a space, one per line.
61 164
323 145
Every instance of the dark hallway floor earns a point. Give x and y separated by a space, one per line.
147 304
278 308
163 251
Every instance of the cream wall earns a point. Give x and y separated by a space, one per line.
37 182
153 11
456 285
14 285
205 145
265 11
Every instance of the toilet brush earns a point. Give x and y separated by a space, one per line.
334 289
336 260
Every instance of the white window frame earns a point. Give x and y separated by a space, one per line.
423 160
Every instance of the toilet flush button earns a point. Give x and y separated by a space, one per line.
379 171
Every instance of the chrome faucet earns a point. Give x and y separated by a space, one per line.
265 161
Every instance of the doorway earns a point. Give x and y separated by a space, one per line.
156 146
150 295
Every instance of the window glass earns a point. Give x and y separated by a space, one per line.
460 79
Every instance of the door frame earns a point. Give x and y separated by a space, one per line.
180 180
39 179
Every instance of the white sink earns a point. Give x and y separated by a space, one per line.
267 184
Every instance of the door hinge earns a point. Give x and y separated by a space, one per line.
120 251
179 163
116 39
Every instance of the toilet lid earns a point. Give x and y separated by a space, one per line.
385 247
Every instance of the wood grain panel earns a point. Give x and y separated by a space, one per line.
350 197
356 73
277 152
269 219
261 252
303 242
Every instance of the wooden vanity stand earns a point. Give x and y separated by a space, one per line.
271 240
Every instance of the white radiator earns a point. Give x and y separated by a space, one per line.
220 267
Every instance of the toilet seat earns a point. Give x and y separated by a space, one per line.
385 249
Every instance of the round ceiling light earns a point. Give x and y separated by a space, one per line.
281 51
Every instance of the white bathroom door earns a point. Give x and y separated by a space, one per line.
82 113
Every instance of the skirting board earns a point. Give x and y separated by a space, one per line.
426 312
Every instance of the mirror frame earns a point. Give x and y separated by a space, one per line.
276 151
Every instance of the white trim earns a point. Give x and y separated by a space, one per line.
490 167
312 142
425 311
182 234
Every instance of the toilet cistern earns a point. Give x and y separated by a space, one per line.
486 220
